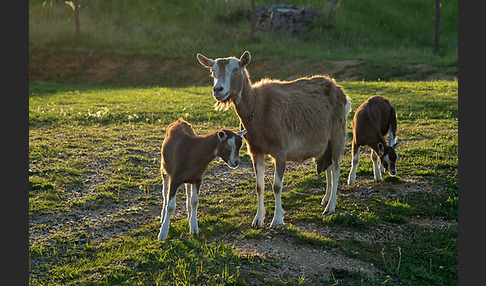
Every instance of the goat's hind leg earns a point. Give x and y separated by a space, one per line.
354 164
334 172
277 190
324 161
259 167
188 199
327 196
331 193
193 202
169 209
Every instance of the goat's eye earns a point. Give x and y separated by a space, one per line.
236 69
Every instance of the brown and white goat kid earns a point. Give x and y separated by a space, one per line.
185 156
288 120
372 120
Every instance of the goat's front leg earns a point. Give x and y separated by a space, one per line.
259 167
376 165
193 202
277 191
169 209
188 200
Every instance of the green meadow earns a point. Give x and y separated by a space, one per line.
96 152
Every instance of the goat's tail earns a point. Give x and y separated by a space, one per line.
347 107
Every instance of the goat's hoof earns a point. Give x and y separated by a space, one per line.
257 224
162 237
327 211
324 202
277 225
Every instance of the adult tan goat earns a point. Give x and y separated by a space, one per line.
288 120
185 156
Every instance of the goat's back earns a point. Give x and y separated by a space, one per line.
309 109
373 117
177 137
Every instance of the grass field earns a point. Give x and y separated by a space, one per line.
95 197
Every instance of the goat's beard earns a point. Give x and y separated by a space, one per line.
222 105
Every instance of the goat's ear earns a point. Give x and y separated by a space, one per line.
381 149
207 62
241 133
395 146
222 135
245 59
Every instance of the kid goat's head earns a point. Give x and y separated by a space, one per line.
229 76
389 157
229 146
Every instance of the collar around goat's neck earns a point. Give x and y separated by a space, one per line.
250 117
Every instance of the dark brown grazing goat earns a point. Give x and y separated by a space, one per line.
372 120
288 120
185 156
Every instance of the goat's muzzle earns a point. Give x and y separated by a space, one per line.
220 97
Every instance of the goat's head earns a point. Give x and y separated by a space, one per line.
229 146
388 157
229 76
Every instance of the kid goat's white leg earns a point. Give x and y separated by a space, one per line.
376 166
194 200
164 229
165 195
354 165
188 200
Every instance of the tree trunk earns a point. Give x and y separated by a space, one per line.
76 17
437 26
251 35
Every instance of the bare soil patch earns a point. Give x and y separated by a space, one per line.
119 69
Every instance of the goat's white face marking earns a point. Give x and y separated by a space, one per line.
234 156
223 71
228 74
229 148
390 163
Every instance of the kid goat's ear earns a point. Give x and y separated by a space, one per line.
241 133
221 135
397 144
381 149
245 59
207 62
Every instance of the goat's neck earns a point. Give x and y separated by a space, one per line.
375 147
245 105
206 147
